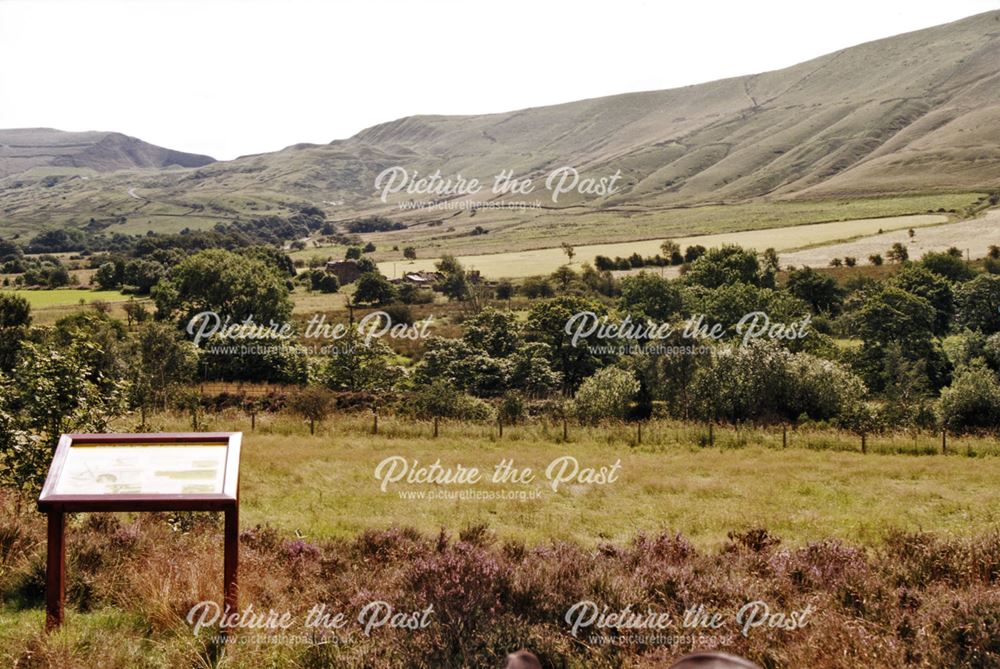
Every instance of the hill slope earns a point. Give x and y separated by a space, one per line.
24 148
914 113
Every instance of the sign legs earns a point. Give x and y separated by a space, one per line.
232 558
55 571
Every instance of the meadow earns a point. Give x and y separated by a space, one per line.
819 486
895 553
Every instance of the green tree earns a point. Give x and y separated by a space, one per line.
226 283
161 361
898 253
51 392
547 323
819 291
919 281
608 394
649 296
977 304
972 400
727 265
373 288
455 283
15 319
314 403
361 366
947 264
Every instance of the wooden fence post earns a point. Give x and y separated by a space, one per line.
711 434
864 444
944 441
565 429
435 427
500 426
638 433
784 435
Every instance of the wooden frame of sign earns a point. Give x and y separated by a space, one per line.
183 471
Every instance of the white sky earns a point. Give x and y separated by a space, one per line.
228 78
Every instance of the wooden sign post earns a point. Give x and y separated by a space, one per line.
187 471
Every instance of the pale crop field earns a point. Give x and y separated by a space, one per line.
517 264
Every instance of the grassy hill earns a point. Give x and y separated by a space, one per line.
31 148
914 114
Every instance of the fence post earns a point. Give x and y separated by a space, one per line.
435 427
944 441
638 433
565 429
500 426
864 444
711 434
374 419
784 435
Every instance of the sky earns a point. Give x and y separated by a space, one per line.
229 78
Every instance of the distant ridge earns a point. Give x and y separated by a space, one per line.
24 148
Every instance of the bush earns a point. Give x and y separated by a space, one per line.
607 394
972 400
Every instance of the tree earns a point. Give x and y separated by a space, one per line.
109 275
410 253
352 253
669 248
505 290
694 252
373 288
498 333
564 276
226 283
820 291
976 304
898 253
362 366
972 400
727 265
607 394
569 251
162 360
313 403
875 259
535 286
649 296
546 323
15 319
454 284
892 315
948 265
323 281
135 312
55 393
919 281
143 274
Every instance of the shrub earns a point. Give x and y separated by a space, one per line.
607 394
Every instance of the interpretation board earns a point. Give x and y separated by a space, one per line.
180 471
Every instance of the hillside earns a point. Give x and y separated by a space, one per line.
27 148
914 113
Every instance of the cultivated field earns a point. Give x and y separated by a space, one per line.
543 261
972 237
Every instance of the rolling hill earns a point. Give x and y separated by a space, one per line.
917 113
26 148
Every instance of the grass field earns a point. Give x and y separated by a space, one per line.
62 297
819 487
516 264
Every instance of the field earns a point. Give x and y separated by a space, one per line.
64 297
871 545
543 261
820 487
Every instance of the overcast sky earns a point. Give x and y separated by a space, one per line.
231 78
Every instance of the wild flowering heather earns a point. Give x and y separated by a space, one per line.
918 600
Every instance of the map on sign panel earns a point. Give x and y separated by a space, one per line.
143 469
